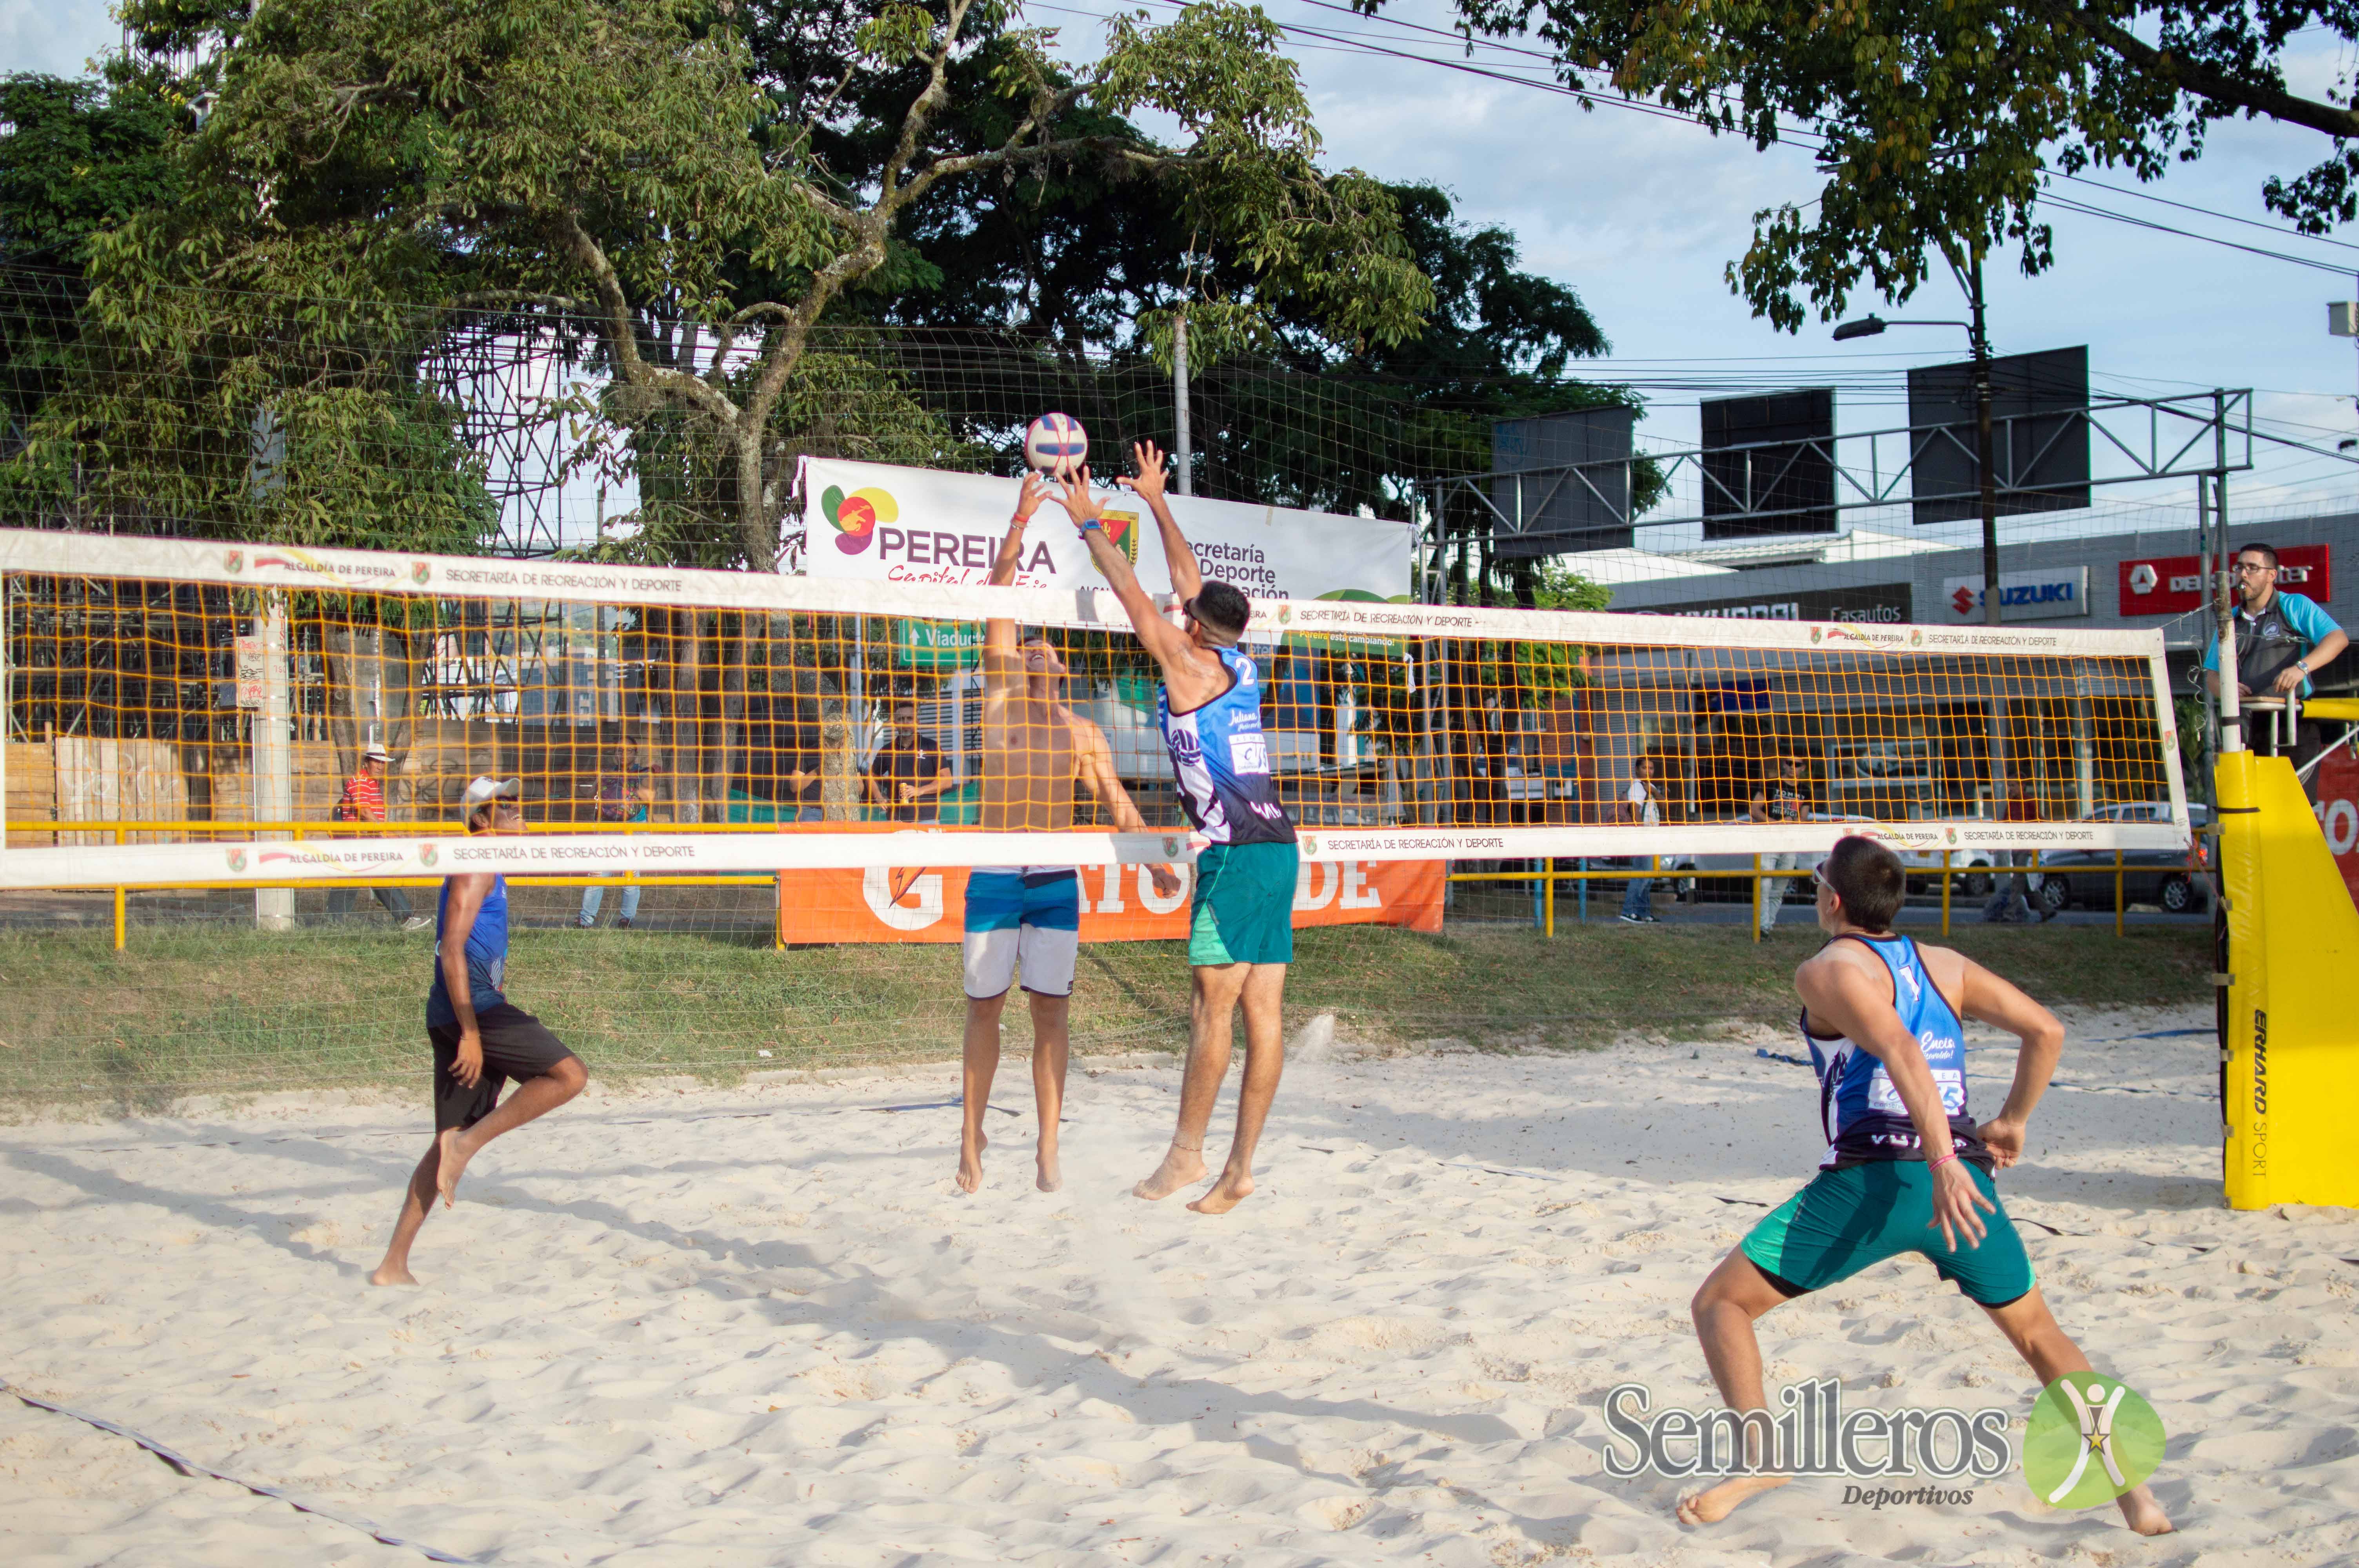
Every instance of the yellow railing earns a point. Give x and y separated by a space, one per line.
1548 876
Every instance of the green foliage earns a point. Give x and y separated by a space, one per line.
635 168
1943 119
1546 670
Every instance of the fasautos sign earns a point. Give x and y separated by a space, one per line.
2041 595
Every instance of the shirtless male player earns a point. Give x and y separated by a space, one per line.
481 1039
1241 929
1034 748
1881 1015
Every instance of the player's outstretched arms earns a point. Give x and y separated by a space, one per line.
1148 484
1167 643
1987 999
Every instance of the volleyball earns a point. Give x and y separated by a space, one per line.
1056 444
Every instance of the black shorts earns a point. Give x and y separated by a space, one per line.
515 1046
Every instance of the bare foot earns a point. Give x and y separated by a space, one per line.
1181 1167
1050 1177
1232 1189
1717 1503
970 1171
451 1156
396 1274
2143 1514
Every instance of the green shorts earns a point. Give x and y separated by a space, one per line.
1846 1220
1245 905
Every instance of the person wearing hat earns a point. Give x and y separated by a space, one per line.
481 1039
364 801
1782 797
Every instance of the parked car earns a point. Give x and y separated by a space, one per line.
1726 876
2168 878
1970 868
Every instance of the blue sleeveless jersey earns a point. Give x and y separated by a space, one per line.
1858 1106
487 955
1221 760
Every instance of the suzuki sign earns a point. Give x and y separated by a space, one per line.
2173 585
2040 595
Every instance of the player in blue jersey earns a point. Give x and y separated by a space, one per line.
1241 926
1906 1168
481 1039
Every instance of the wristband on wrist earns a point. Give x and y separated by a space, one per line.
1092 522
1937 1164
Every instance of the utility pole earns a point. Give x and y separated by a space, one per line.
1983 449
1182 445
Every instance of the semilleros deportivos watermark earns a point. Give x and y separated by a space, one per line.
2088 1440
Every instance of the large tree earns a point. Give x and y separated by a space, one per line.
1942 120
619 166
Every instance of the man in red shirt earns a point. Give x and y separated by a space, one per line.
364 801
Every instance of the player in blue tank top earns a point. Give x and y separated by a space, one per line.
1906 1168
1241 926
482 1041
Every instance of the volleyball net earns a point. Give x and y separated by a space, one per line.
190 714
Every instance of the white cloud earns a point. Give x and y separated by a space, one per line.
55 37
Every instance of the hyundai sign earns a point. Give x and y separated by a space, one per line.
2040 595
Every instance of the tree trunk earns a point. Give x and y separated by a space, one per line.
683 738
343 658
734 652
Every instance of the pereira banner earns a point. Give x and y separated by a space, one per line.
1119 903
878 523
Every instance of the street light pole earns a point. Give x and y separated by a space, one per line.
1982 450
1870 326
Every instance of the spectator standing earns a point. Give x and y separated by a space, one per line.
1782 797
364 801
907 775
2010 897
620 799
1640 808
2281 639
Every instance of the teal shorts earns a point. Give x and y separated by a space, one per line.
1849 1219
1243 912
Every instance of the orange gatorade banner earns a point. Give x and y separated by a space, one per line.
1119 903
2336 788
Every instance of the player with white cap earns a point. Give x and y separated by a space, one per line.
481 1039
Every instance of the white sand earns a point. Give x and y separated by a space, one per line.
761 1328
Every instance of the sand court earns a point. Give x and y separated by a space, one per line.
761 1325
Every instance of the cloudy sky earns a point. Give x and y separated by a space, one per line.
1640 214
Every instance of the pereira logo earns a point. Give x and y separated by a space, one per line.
854 517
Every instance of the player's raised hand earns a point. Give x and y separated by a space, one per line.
1080 505
1152 476
1029 499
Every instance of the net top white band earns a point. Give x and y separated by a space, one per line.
472 577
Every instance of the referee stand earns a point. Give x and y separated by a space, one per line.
2288 938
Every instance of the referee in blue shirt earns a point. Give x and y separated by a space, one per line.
2282 639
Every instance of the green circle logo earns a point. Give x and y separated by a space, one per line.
2090 1439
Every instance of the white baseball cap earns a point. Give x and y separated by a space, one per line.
482 792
